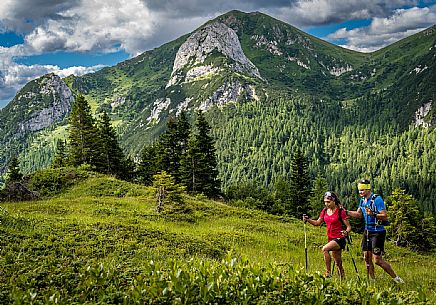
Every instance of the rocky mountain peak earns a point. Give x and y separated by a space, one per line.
214 37
50 102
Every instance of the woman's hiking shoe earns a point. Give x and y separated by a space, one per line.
327 275
398 280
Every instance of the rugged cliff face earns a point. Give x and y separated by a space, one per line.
189 64
235 58
58 97
40 104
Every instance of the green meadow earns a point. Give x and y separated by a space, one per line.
102 242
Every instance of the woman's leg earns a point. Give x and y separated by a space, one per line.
330 246
337 256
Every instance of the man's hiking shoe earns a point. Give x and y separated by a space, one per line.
398 280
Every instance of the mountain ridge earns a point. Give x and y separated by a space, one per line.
391 85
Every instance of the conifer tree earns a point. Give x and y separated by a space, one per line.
83 147
148 166
172 145
300 185
282 192
320 186
13 174
182 134
168 194
60 158
199 166
112 157
408 226
168 157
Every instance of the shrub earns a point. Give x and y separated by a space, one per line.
53 181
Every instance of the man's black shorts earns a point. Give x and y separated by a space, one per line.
375 242
342 242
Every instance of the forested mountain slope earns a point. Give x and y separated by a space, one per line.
268 88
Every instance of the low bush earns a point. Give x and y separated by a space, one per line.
49 182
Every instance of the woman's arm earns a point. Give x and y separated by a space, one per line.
313 222
347 224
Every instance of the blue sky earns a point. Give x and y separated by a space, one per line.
82 36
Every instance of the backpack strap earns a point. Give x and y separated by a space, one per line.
340 218
323 211
372 205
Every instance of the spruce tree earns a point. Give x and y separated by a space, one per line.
199 165
83 147
168 194
300 185
60 158
13 174
148 166
408 226
172 145
112 156
168 158
183 132
320 186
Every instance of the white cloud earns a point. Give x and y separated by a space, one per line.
95 25
321 12
134 26
14 76
385 31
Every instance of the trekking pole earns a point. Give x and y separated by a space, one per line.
305 247
351 254
367 247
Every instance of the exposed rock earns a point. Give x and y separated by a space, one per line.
271 46
418 69
299 62
337 71
158 106
60 104
201 71
183 105
118 101
229 92
421 113
214 37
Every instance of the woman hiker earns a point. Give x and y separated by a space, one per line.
338 228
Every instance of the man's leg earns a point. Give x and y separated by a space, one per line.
369 264
379 261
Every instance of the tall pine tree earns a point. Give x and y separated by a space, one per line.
148 166
113 159
300 185
168 157
13 174
83 147
60 157
199 165
172 145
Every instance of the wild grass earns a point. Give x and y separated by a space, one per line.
102 242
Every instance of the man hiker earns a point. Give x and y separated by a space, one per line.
372 208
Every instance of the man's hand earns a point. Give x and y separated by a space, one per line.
305 217
369 211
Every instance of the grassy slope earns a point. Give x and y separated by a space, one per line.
47 246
